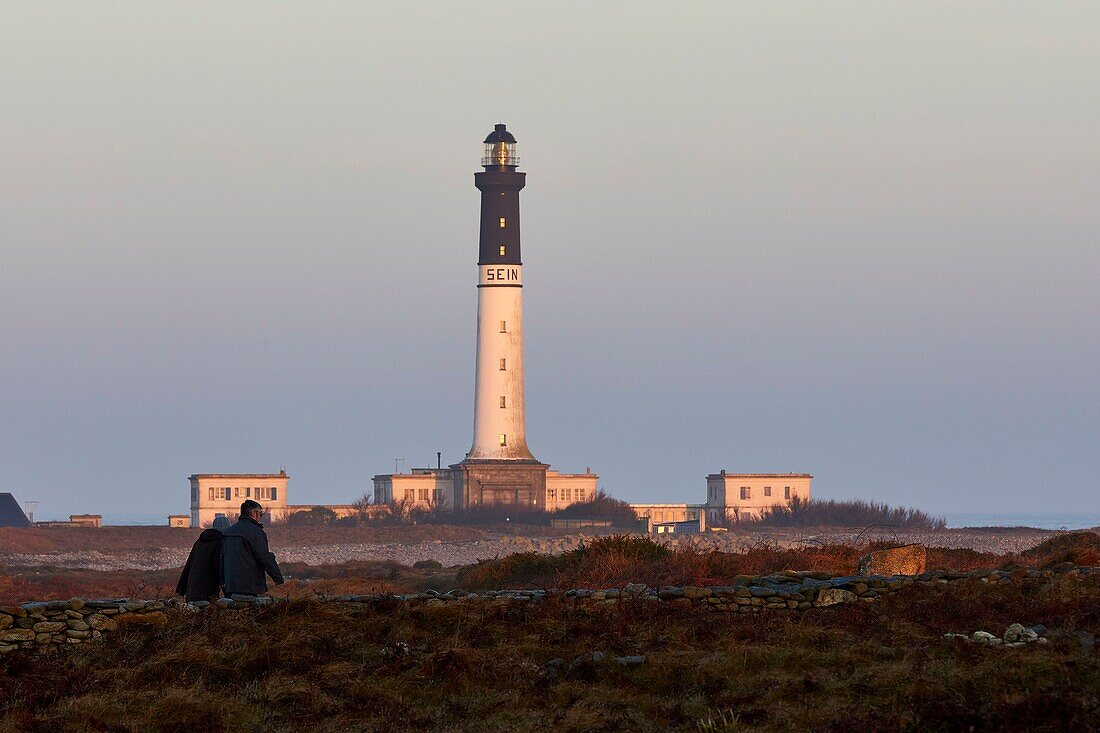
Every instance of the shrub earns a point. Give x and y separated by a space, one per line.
1081 548
601 506
312 517
857 513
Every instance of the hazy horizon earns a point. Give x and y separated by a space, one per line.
857 240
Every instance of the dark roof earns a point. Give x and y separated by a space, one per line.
11 515
500 134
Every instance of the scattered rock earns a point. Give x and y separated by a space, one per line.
1017 634
630 661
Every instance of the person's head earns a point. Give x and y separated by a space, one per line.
252 510
221 522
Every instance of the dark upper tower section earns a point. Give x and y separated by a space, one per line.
500 184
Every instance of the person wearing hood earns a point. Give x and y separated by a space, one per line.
245 555
201 576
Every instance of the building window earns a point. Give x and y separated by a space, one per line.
580 494
503 439
551 494
504 326
567 494
502 250
746 493
424 494
767 491
274 494
410 494
503 222
503 365
787 492
503 401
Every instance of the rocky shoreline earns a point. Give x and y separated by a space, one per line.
459 553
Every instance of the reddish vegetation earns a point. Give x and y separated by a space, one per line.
614 561
603 563
489 667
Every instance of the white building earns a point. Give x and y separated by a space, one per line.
735 496
221 494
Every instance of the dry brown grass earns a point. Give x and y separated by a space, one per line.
612 562
485 667
603 563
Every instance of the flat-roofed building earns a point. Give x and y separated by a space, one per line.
424 488
666 513
179 520
565 489
221 494
735 496
434 488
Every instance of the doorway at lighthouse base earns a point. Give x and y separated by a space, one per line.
516 484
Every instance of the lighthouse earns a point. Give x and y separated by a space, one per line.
499 468
499 432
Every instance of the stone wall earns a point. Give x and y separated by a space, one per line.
45 626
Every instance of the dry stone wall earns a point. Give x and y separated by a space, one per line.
49 625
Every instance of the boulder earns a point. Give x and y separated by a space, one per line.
49 627
904 560
427 565
1016 633
100 622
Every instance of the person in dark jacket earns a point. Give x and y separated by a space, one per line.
200 579
245 557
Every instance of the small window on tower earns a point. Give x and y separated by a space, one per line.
504 326
502 250
503 439
503 401
503 222
503 365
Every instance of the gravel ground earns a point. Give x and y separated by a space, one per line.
468 552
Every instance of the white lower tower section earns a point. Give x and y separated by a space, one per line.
499 432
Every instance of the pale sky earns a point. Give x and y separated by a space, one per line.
858 240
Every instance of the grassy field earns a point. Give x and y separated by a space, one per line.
309 665
605 563
508 666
